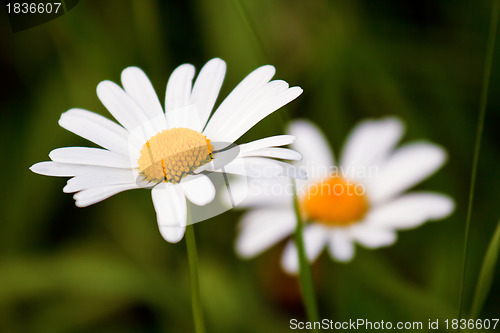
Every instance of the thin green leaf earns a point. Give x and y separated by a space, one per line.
305 274
490 48
486 275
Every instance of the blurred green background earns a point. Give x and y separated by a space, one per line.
106 268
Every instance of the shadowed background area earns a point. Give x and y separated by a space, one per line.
106 268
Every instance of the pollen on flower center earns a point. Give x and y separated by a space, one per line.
172 154
335 201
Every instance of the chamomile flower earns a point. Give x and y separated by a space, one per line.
360 200
166 151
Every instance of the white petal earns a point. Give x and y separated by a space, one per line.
250 114
55 169
90 156
372 237
272 141
315 238
64 170
290 259
341 247
282 153
199 190
311 143
262 228
368 145
96 194
179 88
207 87
406 167
96 128
137 85
104 177
171 211
253 101
186 117
124 109
250 84
411 210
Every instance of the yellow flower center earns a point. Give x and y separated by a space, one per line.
172 154
335 202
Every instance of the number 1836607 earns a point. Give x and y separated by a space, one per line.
33 8
472 324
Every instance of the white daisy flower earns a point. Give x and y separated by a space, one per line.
166 151
360 200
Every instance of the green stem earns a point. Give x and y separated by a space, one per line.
63 3
193 276
486 274
306 280
251 26
477 146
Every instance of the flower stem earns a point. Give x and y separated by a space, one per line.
193 276
477 145
306 280
252 28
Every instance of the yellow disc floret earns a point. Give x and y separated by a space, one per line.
174 153
335 202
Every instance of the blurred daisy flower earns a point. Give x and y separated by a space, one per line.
166 151
360 200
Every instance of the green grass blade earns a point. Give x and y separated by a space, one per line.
251 27
477 145
486 274
305 274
